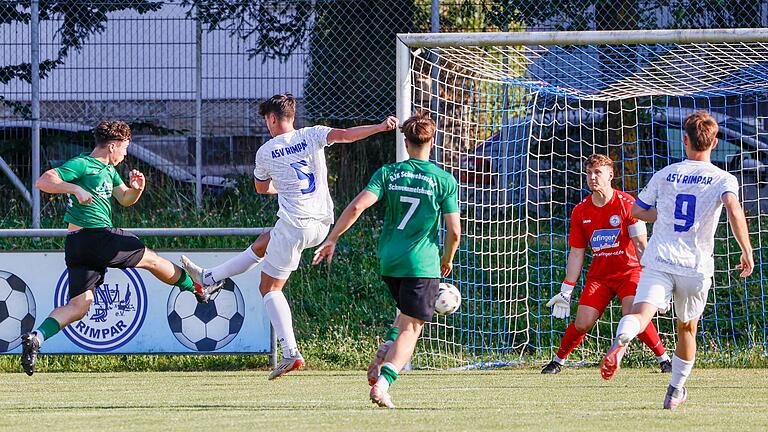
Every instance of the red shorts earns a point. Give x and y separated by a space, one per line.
599 293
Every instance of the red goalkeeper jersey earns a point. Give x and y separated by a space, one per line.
606 231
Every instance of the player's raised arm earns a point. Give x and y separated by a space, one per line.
51 182
361 132
348 217
128 196
740 231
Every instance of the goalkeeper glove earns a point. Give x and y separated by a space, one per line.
561 303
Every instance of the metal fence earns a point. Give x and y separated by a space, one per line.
188 74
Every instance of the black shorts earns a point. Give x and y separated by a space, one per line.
89 251
415 297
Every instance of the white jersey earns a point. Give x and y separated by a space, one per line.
688 199
295 162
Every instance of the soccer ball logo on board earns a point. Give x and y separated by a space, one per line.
17 310
210 326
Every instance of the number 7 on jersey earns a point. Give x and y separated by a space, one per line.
414 202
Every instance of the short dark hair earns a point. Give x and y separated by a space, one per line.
281 105
419 129
701 129
111 130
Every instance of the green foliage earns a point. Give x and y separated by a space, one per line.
362 33
280 27
78 21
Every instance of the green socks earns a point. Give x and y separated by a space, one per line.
389 373
392 333
48 328
185 282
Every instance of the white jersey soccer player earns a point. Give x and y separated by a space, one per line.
295 161
688 198
685 201
291 165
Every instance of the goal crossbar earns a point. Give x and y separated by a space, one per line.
612 37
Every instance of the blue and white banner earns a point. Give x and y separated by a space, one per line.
132 312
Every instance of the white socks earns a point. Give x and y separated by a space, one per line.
558 360
680 371
382 381
629 326
238 264
662 358
279 314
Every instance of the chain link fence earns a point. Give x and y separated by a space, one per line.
188 75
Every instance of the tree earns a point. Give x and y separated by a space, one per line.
79 20
279 27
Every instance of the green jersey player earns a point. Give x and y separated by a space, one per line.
93 244
415 193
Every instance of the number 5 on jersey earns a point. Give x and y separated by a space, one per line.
303 173
414 203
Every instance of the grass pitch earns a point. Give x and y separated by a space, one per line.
516 399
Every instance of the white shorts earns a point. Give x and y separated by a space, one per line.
286 243
690 292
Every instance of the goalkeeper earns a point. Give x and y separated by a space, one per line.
603 221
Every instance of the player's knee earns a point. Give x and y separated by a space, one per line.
80 306
688 326
150 260
411 325
260 249
583 326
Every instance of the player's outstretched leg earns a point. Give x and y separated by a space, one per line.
193 270
239 264
29 351
202 292
675 397
612 360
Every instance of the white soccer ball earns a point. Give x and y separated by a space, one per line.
448 299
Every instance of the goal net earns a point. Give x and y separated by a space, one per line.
518 115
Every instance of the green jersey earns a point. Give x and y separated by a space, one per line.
415 192
98 179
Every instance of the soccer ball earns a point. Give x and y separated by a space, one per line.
17 310
448 299
209 326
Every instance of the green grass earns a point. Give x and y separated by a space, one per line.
516 399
